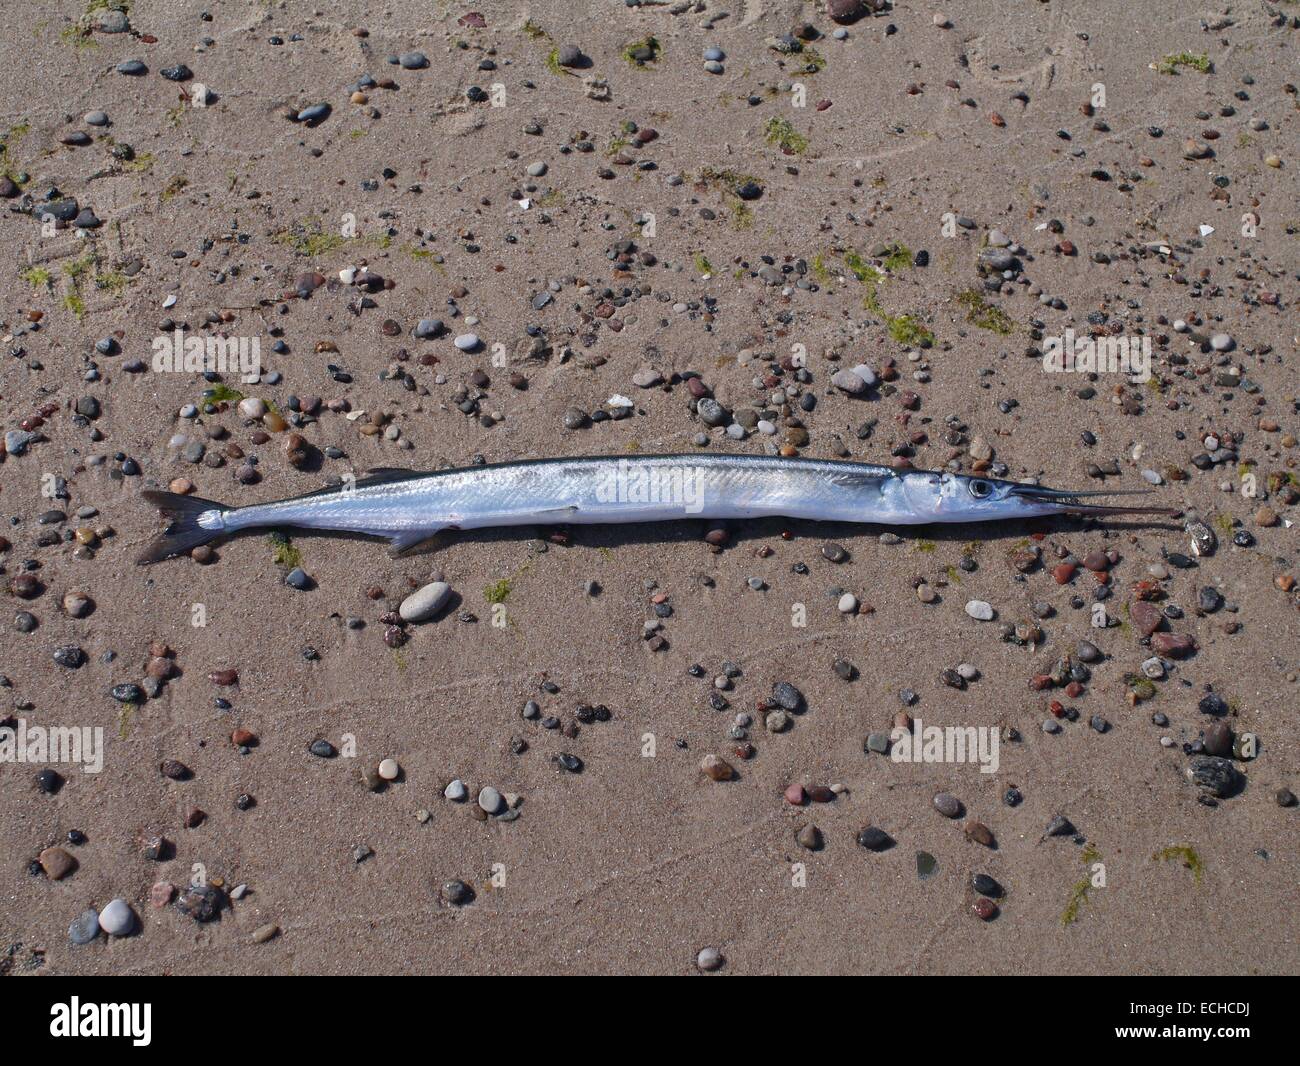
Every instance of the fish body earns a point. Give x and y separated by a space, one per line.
408 507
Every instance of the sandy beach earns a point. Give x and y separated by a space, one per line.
445 235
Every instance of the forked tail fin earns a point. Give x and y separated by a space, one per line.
193 521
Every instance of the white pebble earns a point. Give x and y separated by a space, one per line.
389 770
980 611
489 799
117 919
467 342
848 603
456 791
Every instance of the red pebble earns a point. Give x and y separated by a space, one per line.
1063 573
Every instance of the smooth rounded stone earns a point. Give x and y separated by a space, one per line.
457 893
568 55
467 342
1087 652
874 839
264 933
1218 739
1213 775
835 553
117 918
425 602
133 68
314 113
711 412
1051 726
848 604
1173 645
84 927
1222 342
389 770
947 804
113 20
1209 599
980 611
967 671
413 60
712 66
251 407
717 768
984 909
537 169
809 837
56 863
202 903
429 327
489 800
849 382
647 378
1145 617
979 833
777 722
456 791
709 959
128 692
986 886
1285 797
323 749
531 710
844 10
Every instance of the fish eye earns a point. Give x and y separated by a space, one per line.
980 489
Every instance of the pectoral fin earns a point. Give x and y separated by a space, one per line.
412 543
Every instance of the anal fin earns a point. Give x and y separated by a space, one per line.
556 514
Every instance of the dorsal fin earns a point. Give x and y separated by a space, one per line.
387 475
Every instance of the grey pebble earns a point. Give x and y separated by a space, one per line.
84 927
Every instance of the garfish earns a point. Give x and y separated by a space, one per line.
410 507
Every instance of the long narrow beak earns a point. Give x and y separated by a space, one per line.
1068 501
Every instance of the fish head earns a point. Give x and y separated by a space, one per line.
949 497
